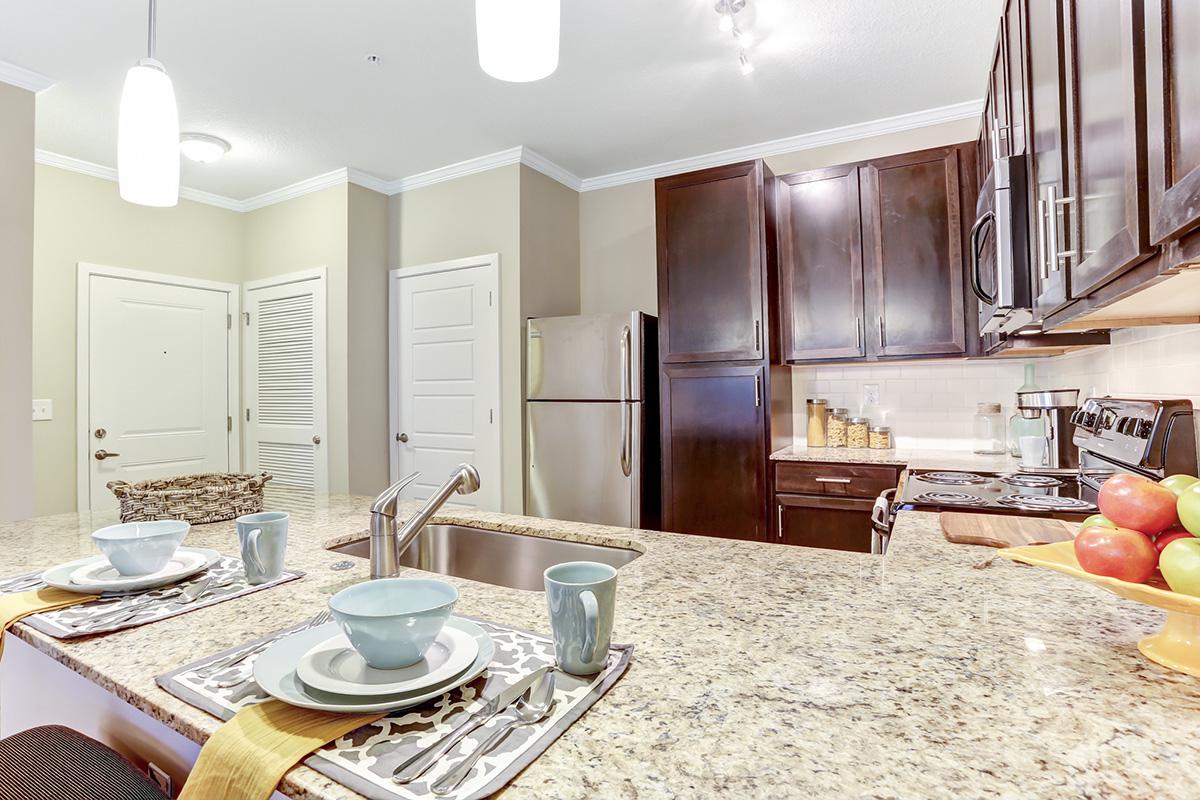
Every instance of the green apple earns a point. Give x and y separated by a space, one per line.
1097 519
1179 483
1188 507
1180 565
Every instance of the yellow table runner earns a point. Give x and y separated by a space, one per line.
17 606
248 756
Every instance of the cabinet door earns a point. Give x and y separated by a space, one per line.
1105 50
1052 223
820 266
840 523
1173 116
714 451
710 264
1012 27
913 254
998 88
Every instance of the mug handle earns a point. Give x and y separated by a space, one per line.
591 624
251 550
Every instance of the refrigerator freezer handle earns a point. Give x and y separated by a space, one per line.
626 428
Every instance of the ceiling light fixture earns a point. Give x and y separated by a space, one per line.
148 131
518 39
727 11
202 148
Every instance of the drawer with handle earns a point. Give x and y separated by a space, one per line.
848 480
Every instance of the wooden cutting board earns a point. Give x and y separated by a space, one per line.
1001 530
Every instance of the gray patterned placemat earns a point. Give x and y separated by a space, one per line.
364 759
86 619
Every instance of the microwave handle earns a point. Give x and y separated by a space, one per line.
976 232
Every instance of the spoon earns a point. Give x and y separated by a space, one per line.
532 707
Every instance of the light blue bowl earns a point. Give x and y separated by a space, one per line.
391 622
139 548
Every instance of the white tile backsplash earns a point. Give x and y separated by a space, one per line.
932 405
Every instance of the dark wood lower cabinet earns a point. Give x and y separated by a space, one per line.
834 523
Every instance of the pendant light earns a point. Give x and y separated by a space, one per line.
148 131
518 39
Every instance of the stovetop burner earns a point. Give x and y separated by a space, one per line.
1044 502
950 498
1031 481
952 478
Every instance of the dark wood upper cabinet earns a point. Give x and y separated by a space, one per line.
1012 34
1050 150
1173 117
820 265
711 251
1106 53
715 450
1001 129
913 254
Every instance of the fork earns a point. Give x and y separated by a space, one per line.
23 584
237 658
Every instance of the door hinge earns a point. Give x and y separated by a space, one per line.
246 314
247 415
229 322
489 298
229 424
491 416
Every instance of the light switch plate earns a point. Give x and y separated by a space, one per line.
43 409
870 394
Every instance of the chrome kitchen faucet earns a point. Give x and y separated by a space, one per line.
387 543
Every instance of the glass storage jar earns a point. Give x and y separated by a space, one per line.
816 421
856 431
990 434
835 428
879 438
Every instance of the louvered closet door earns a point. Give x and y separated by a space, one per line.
285 383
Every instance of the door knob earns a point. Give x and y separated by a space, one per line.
401 437
103 454
316 440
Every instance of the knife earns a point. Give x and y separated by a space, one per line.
416 766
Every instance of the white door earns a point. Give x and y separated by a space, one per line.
157 382
284 379
446 376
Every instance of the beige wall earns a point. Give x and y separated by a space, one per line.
81 218
366 270
16 301
472 216
616 226
303 233
549 247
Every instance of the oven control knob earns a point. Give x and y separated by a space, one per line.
1143 429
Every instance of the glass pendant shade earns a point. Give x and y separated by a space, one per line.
148 137
518 39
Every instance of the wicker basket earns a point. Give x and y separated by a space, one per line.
213 497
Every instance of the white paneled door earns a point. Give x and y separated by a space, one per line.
446 376
154 381
284 379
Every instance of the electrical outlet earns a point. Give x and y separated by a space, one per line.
870 394
161 778
43 409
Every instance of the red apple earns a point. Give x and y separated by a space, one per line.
1117 553
1132 501
1168 536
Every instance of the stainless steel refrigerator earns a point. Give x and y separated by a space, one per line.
591 419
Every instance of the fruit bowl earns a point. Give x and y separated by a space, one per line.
1176 646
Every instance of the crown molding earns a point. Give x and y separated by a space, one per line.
60 161
459 170
791 144
367 180
537 161
335 177
24 78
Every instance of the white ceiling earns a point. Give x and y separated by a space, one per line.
639 81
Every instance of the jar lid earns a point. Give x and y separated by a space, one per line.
988 408
858 420
880 429
841 411
816 401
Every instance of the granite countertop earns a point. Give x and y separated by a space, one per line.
912 458
761 670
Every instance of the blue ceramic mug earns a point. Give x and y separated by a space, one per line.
263 539
582 597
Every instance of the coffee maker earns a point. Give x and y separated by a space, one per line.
1056 405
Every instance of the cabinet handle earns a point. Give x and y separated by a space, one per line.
858 327
881 344
779 527
834 480
757 391
758 335
1043 269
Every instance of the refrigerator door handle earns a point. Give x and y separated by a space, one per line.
626 427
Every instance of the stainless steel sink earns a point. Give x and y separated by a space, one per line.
495 557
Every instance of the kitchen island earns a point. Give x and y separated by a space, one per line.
759 671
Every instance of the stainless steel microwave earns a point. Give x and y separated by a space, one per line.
1000 274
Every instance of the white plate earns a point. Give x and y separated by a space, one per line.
335 666
60 576
275 673
102 573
